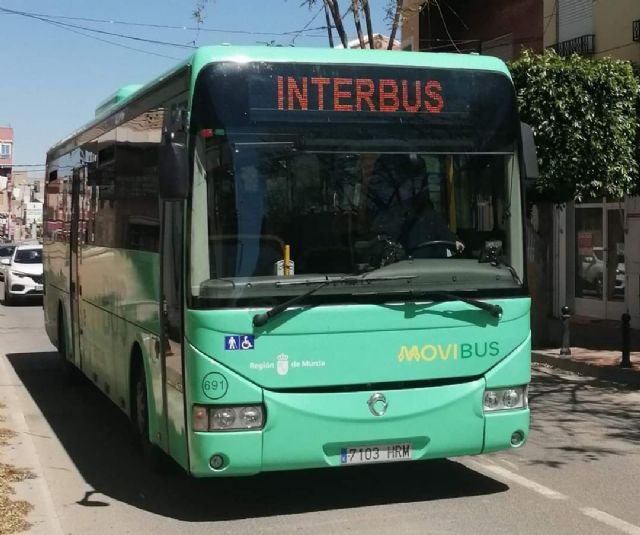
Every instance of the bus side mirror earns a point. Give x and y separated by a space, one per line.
173 179
529 155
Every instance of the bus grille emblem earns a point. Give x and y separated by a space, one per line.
378 404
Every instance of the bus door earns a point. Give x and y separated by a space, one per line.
74 282
171 313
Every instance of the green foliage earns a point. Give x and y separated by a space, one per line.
583 113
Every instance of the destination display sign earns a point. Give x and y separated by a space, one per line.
455 110
388 95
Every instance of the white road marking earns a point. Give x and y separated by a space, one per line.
596 514
611 521
511 465
520 480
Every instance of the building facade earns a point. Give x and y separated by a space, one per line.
6 163
597 246
594 257
494 27
594 28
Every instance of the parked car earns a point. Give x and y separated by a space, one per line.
591 273
6 251
22 273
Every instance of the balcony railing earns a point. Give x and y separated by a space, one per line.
636 30
583 45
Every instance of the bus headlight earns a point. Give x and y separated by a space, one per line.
222 418
232 418
505 399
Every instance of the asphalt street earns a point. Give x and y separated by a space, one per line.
577 474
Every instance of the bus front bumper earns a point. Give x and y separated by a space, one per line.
313 430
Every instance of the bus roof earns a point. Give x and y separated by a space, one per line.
274 54
244 54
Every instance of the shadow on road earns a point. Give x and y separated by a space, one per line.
96 435
588 418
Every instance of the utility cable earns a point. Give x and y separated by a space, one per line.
172 27
311 21
85 28
96 38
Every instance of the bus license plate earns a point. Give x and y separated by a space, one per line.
39 287
384 453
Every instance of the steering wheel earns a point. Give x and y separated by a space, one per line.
452 245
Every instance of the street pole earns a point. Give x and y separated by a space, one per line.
565 350
626 341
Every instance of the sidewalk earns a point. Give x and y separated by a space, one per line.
21 453
602 364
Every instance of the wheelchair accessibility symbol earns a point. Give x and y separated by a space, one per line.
239 342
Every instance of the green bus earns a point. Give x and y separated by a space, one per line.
275 258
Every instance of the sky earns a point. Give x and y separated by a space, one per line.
53 75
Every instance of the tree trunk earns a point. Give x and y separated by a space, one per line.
396 23
356 20
337 19
329 30
367 18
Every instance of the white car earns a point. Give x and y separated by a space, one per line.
22 273
6 251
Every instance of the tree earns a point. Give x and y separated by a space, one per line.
583 114
360 9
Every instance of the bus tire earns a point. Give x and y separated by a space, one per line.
68 369
153 455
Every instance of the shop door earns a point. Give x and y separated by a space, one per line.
600 269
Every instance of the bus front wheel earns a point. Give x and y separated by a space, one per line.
140 416
69 371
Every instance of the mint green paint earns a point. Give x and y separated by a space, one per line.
439 422
500 425
323 346
120 95
359 344
245 54
205 55
123 282
514 370
198 365
242 450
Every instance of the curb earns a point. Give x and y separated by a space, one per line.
615 374
43 518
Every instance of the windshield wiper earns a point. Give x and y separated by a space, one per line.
259 320
494 310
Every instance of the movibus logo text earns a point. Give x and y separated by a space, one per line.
433 352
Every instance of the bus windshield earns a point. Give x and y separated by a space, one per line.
289 200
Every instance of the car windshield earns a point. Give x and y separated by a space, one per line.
419 201
28 256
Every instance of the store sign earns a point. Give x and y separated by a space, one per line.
585 243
